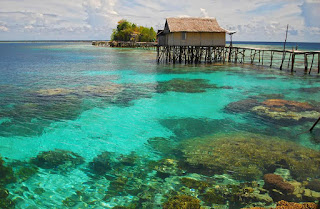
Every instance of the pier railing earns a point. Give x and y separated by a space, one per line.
283 59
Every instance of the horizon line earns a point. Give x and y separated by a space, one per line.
90 40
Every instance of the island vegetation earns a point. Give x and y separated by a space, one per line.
127 31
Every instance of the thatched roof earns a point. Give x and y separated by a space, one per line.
191 24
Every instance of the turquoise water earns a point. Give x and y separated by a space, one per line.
89 100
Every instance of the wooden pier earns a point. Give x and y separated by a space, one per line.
126 44
283 59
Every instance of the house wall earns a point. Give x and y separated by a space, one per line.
196 39
162 40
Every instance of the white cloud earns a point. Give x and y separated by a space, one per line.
204 12
4 28
263 20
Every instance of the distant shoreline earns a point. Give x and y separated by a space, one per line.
50 41
74 41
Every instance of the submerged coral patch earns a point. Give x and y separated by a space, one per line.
101 164
6 177
58 159
6 174
284 109
182 202
278 110
185 85
242 105
291 205
310 90
186 128
247 156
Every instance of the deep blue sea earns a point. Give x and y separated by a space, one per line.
98 127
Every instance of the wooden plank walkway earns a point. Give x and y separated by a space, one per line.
244 55
126 44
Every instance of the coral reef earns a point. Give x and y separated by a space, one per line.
6 177
5 202
6 174
284 109
292 205
214 196
194 184
186 86
276 109
54 92
310 90
314 185
267 96
273 181
57 159
101 164
238 153
128 160
167 167
105 90
163 146
242 106
25 172
182 202
186 128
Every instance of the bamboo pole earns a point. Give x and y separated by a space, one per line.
314 124
284 48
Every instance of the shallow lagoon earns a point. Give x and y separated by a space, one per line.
117 108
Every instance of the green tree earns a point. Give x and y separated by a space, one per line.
126 30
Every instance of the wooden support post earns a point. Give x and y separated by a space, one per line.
224 55
271 58
158 54
259 55
318 63
254 54
236 55
185 50
311 64
305 62
262 56
180 55
292 61
174 57
243 55
167 53
289 59
206 55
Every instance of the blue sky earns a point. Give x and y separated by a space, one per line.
254 20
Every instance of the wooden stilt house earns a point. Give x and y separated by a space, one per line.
189 31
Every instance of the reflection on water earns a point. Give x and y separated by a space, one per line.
87 127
